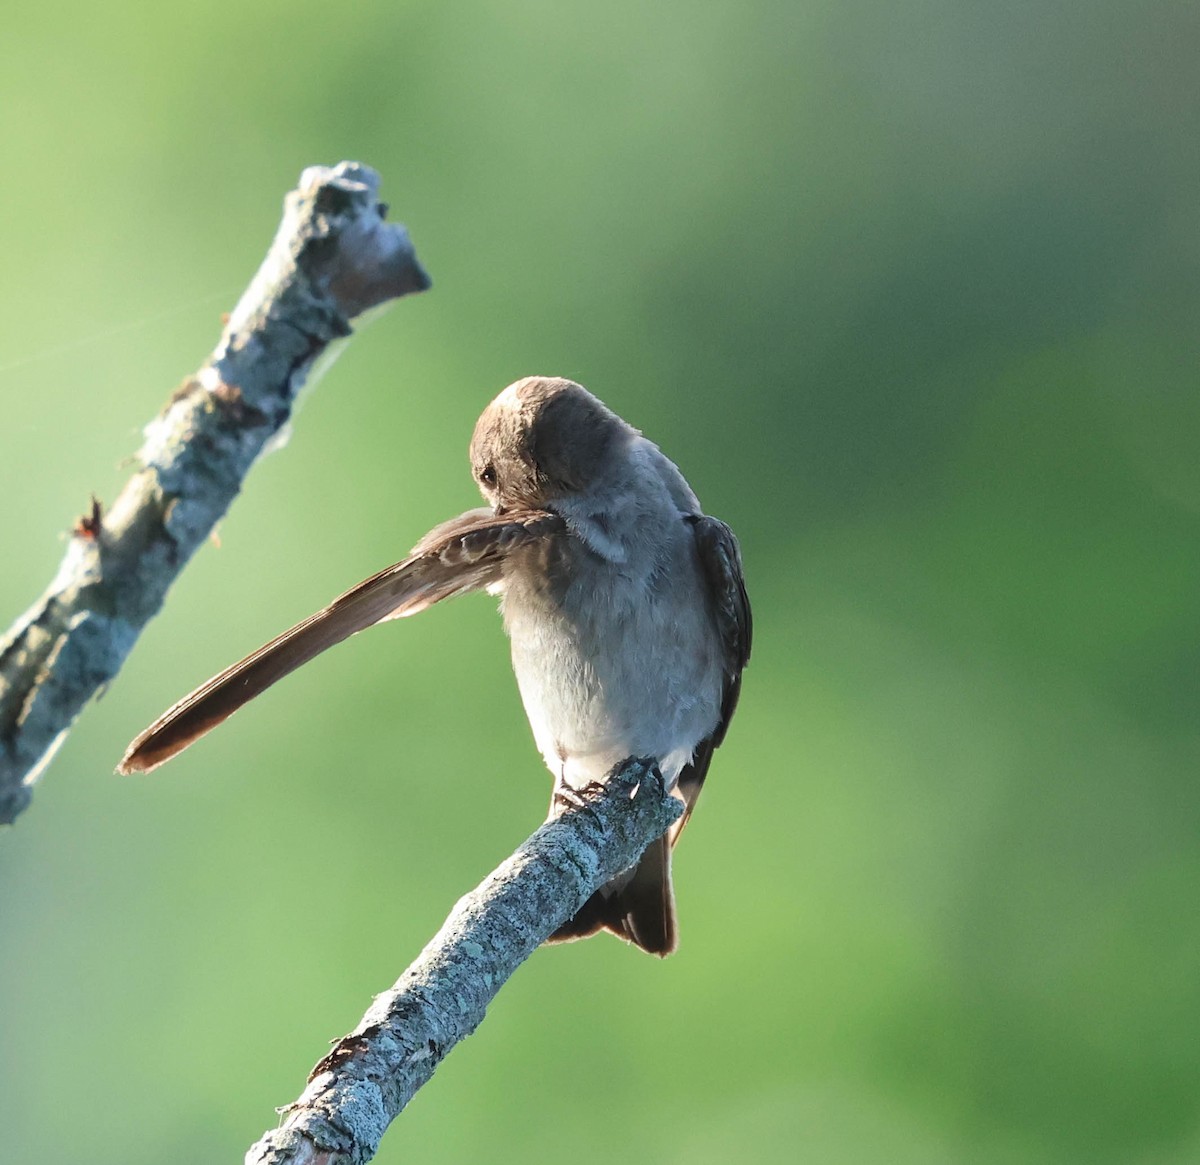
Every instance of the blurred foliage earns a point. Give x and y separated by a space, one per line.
910 292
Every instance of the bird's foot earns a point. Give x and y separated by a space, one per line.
567 797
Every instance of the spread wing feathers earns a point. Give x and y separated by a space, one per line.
721 561
461 555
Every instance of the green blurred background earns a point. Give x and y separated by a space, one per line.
910 291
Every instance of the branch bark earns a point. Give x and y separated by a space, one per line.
333 257
356 1091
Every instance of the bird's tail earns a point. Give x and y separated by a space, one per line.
638 905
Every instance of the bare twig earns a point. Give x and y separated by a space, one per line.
333 258
356 1091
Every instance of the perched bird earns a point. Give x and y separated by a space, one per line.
625 606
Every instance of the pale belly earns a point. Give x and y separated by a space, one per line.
620 669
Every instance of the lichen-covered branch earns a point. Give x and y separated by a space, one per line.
333 257
355 1092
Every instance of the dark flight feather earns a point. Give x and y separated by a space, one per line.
721 561
463 554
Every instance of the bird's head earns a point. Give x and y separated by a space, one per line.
541 439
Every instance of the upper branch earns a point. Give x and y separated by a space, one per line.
333 257
355 1092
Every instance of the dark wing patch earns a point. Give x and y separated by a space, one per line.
721 562
461 555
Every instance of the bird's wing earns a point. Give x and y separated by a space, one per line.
721 563
461 555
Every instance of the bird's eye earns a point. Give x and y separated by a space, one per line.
488 475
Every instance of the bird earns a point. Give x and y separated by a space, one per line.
624 604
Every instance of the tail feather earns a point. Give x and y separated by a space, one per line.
638 905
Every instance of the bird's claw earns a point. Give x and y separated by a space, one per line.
568 797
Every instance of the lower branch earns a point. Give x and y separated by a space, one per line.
332 259
356 1091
